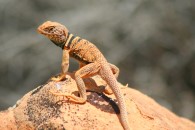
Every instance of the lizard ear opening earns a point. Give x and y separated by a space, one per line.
66 33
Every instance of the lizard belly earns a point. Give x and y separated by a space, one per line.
79 58
85 52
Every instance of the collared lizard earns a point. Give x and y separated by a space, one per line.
91 62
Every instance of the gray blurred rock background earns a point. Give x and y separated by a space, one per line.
151 41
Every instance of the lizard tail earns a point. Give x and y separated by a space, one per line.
108 76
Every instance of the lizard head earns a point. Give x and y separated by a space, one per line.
56 32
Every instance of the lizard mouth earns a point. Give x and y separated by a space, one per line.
40 30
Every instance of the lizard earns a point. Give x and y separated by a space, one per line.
91 62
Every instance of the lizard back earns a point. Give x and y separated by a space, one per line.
84 51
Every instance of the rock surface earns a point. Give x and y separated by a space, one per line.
40 109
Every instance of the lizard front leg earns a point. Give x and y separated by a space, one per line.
65 66
84 72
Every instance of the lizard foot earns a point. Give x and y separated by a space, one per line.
58 78
70 97
107 90
126 86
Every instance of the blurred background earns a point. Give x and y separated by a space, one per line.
151 41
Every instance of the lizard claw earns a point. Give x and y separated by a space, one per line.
107 90
70 97
60 94
126 86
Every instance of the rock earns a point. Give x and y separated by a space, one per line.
41 109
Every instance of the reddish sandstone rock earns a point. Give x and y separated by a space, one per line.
40 109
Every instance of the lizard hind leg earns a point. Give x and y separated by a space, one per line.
69 96
84 72
115 71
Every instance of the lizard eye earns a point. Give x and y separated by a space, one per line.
49 29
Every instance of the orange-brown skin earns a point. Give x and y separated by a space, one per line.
91 61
